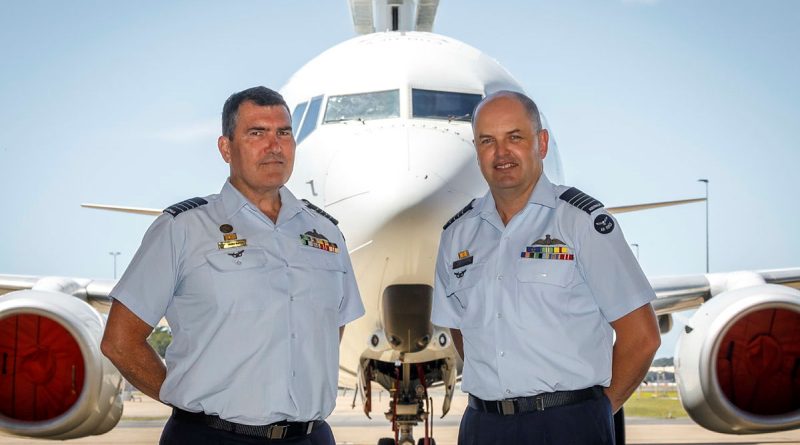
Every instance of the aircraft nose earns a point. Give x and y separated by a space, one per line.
399 164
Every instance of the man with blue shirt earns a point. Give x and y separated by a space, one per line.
255 284
534 279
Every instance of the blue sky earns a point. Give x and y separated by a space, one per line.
118 102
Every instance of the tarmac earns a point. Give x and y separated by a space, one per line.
143 419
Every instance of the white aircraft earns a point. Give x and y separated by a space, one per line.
385 144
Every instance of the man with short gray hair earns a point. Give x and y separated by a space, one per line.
534 279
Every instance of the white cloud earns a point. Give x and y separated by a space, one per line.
642 2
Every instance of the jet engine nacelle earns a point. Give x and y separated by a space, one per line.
738 361
54 381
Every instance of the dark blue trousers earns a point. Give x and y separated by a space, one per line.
585 423
178 432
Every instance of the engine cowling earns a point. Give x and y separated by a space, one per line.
738 361
54 381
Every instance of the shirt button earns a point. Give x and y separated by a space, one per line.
294 335
499 315
508 391
502 354
500 277
291 297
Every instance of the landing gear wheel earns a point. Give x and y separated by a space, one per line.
421 441
386 441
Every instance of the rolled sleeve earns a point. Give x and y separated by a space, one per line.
148 284
612 272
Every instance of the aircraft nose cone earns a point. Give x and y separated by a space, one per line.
402 163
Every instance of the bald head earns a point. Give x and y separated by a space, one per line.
527 103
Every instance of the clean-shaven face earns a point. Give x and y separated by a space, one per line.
510 150
261 150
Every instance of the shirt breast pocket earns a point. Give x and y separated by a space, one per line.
326 277
544 288
464 291
241 278
557 273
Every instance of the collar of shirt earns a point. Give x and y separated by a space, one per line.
544 194
233 201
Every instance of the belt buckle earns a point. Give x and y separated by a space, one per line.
277 431
507 407
539 403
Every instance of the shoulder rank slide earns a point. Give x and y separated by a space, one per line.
189 204
581 200
321 212
460 213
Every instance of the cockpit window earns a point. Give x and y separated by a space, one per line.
430 104
297 116
363 106
310 121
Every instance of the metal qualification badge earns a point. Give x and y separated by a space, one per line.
229 239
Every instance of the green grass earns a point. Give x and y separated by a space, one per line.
646 404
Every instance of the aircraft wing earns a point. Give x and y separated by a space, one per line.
124 209
678 293
94 292
651 205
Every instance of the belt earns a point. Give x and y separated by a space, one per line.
278 430
539 402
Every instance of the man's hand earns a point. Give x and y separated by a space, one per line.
637 340
125 344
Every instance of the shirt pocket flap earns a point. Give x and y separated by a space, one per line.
470 276
555 272
321 260
230 260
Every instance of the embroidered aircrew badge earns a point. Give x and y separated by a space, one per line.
548 249
603 224
318 241
464 259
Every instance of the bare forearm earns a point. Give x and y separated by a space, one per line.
637 341
630 365
125 344
142 367
458 341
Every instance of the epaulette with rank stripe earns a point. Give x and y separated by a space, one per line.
321 212
189 204
581 200
458 215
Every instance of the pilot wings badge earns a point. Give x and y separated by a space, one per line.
318 241
548 249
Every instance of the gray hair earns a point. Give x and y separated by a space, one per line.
530 106
261 96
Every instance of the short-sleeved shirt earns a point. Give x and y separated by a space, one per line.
534 299
254 321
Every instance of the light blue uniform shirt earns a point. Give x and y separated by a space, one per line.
534 299
255 327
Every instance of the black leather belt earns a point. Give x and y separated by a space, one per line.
539 402
278 430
